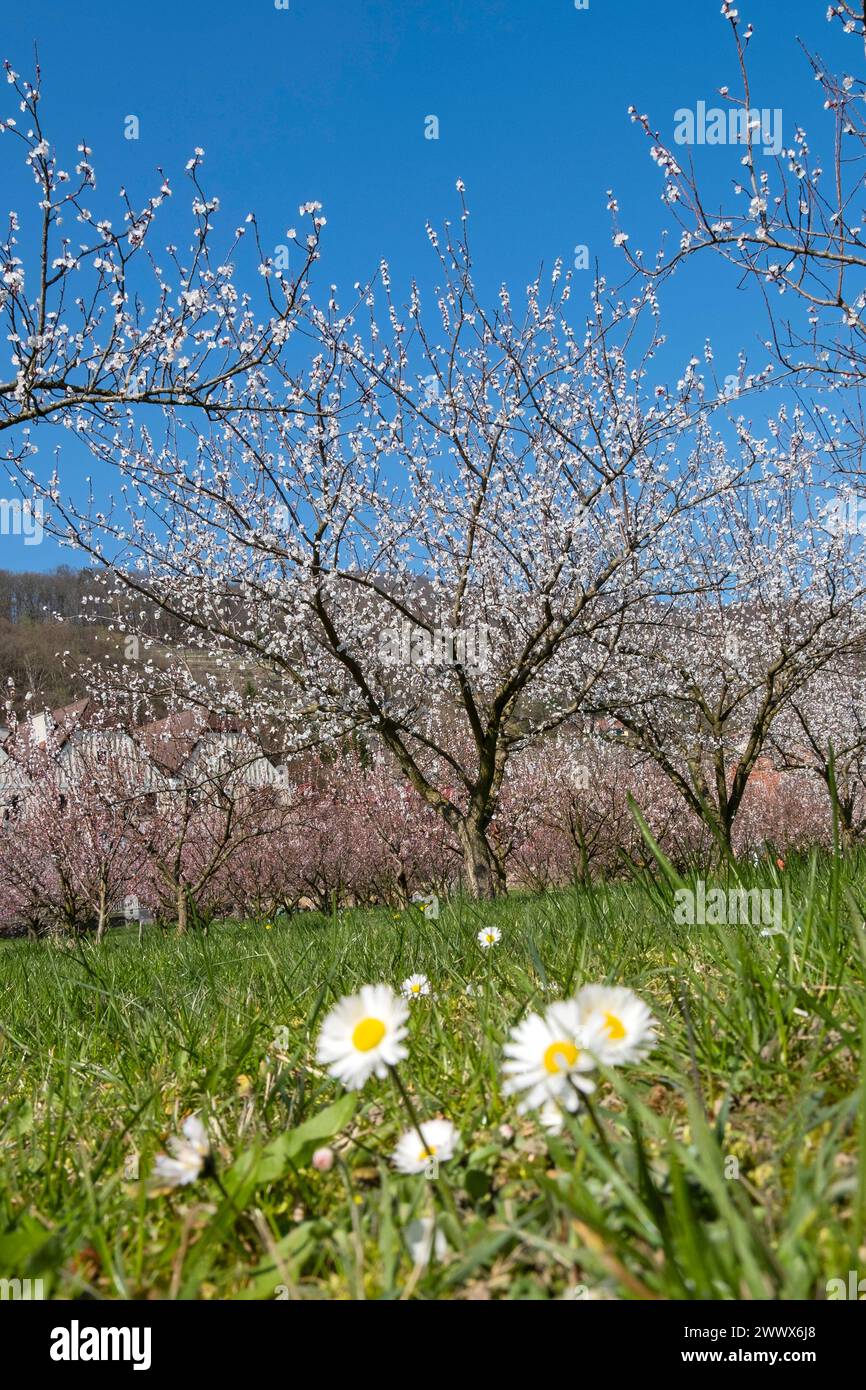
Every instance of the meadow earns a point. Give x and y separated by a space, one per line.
729 1163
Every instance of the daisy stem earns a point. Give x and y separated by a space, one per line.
356 1228
404 1095
442 1186
215 1177
443 1189
599 1128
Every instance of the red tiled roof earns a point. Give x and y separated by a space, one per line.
171 741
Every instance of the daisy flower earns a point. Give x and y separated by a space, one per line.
440 1140
187 1158
363 1034
551 1118
415 986
488 936
618 1024
547 1058
421 1241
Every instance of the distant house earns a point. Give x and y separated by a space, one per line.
190 747
13 778
77 738
194 747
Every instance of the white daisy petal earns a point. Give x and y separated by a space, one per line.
415 986
363 1035
173 1172
618 1024
196 1133
551 1117
440 1140
546 1058
489 936
189 1156
420 1240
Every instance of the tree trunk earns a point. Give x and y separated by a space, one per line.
181 910
842 803
582 866
483 873
726 834
102 913
846 824
402 886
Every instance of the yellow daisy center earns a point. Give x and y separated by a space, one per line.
368 1034
490 936
560 1055
416 989
614 1027
427 1153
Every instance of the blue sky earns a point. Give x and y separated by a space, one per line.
327 100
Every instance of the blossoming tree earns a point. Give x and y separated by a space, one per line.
433 543
100 320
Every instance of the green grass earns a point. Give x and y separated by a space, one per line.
734 1162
